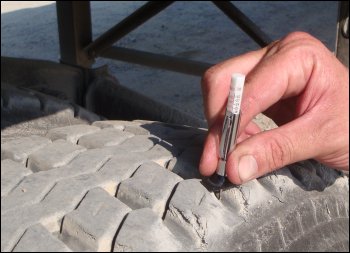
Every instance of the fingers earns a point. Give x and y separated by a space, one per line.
270 150
210 154
216 82
292 79
283 72
209 159
274 79
215 89
251 129
280 71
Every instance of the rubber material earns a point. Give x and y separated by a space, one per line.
25 112
134 185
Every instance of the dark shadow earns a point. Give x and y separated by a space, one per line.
308 175
32 89
27 112
313 176
107 97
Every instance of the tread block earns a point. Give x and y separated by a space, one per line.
199 214
71 133
244 199
150 186
128 126
86 162
34 187
14 224
38 239
121 167
67 193
162 152
30 191
186 165
94 223
19 149
142 231
105 137
139 143
56 154
11 174
275 212
117 124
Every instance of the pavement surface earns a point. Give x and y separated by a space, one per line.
193 30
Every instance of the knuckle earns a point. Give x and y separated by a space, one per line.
307 43
209 76
209 80
300 42
298 36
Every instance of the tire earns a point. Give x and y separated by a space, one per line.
134 186
26 112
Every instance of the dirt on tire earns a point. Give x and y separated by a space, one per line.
113 185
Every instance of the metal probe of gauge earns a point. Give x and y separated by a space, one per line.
229 130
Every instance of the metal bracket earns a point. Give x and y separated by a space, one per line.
342 39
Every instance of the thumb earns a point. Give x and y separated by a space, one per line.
273 149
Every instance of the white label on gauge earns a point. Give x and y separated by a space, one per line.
236 92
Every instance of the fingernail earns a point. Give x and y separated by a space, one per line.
247 168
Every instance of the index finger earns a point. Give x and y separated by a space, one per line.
283 72
216 81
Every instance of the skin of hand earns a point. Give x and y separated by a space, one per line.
298 83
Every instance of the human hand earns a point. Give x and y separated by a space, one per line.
298 83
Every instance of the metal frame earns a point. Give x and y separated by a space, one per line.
77 47
342 39
248 26
74 29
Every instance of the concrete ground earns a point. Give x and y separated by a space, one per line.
194 30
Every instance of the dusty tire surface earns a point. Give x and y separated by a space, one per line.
26 112
135 186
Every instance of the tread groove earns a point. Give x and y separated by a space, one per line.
166 208
43 198
117 232
186 211
19 239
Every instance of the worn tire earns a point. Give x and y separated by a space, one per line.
134 186
26 112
